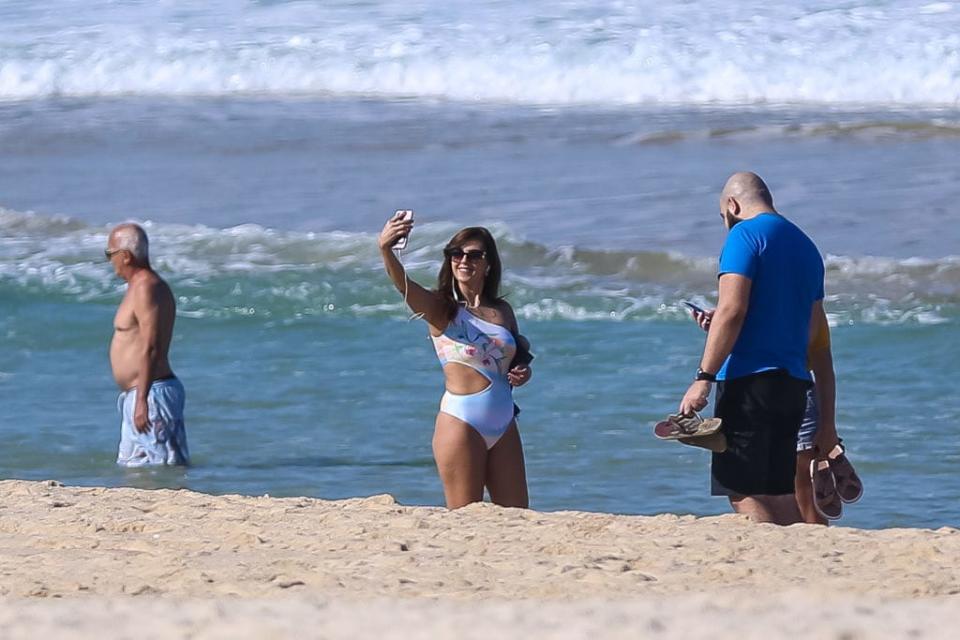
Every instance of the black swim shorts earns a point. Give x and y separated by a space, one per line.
761 416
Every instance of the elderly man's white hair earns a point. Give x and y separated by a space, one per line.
131 237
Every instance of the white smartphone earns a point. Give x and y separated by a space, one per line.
405 214
693 307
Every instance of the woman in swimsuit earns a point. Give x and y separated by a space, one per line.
475 441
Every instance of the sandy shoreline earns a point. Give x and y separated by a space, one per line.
106 553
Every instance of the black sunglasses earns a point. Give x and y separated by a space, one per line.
111 252
459 254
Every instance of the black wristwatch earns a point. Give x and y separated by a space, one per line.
703 375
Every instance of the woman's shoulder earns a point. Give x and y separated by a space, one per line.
510 318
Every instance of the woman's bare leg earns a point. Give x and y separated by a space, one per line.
803 489
461 456
506 475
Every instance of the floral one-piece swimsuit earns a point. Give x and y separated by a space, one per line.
488 349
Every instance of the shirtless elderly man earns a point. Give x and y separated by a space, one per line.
152 431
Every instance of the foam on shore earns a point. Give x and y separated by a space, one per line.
291 274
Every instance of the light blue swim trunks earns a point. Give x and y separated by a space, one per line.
166 442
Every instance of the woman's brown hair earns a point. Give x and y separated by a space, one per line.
447 285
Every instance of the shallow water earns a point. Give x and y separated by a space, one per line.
303 375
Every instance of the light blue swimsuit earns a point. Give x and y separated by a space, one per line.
488 349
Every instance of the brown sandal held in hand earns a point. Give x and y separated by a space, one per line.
826 500
849 485
693 430
677 426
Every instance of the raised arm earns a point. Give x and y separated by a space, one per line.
419 299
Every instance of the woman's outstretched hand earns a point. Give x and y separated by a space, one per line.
395 229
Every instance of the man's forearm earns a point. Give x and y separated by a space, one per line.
724 331
145 374
823 374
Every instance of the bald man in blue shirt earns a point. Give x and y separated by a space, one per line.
770 288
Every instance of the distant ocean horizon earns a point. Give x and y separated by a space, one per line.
263 145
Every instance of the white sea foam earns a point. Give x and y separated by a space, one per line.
251 270
609 52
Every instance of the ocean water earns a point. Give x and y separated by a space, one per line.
263 144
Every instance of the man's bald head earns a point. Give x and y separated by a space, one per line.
131 237
747 187
744 196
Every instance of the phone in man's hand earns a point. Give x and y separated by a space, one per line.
405 214
693 307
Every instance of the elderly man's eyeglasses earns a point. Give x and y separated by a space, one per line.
459 254
109 253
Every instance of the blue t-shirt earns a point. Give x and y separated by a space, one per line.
786 272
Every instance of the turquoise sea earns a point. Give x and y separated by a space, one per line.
263 195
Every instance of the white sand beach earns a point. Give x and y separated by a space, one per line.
75 561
